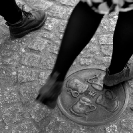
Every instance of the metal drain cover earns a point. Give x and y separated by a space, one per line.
85 101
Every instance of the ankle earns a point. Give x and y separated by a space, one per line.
16 20
114 71
57 76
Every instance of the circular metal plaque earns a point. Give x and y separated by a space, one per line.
84 100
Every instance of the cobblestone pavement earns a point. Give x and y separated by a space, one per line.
27 62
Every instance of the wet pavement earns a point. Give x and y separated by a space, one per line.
26 63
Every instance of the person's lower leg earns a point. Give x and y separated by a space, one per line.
10 11
122 42
81 27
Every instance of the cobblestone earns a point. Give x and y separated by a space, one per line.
112 129
127 124
86 61
47 61
12 60
38 4
60 11
9 108
43 75
53 48
51 23
8 75
8 119
107 50
28 92
44 5
25 127
50 35
38 112
6 53
108 24
106 39
39 44
62 26
123 131
2 125
68 2
27 74
53 126
86 54
51 61
30 59
65 127
10 95
99 60
12 114
94 49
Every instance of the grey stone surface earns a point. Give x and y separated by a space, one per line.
21 77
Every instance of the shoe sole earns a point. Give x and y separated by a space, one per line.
22 34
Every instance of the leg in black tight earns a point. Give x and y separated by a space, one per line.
81 27
122 42
10 11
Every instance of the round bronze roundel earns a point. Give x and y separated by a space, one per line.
84 100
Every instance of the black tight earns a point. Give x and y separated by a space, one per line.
81 27
122 42
10 11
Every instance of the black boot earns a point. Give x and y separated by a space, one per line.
30 21
49 93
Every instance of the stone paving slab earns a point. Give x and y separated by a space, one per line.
21 77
